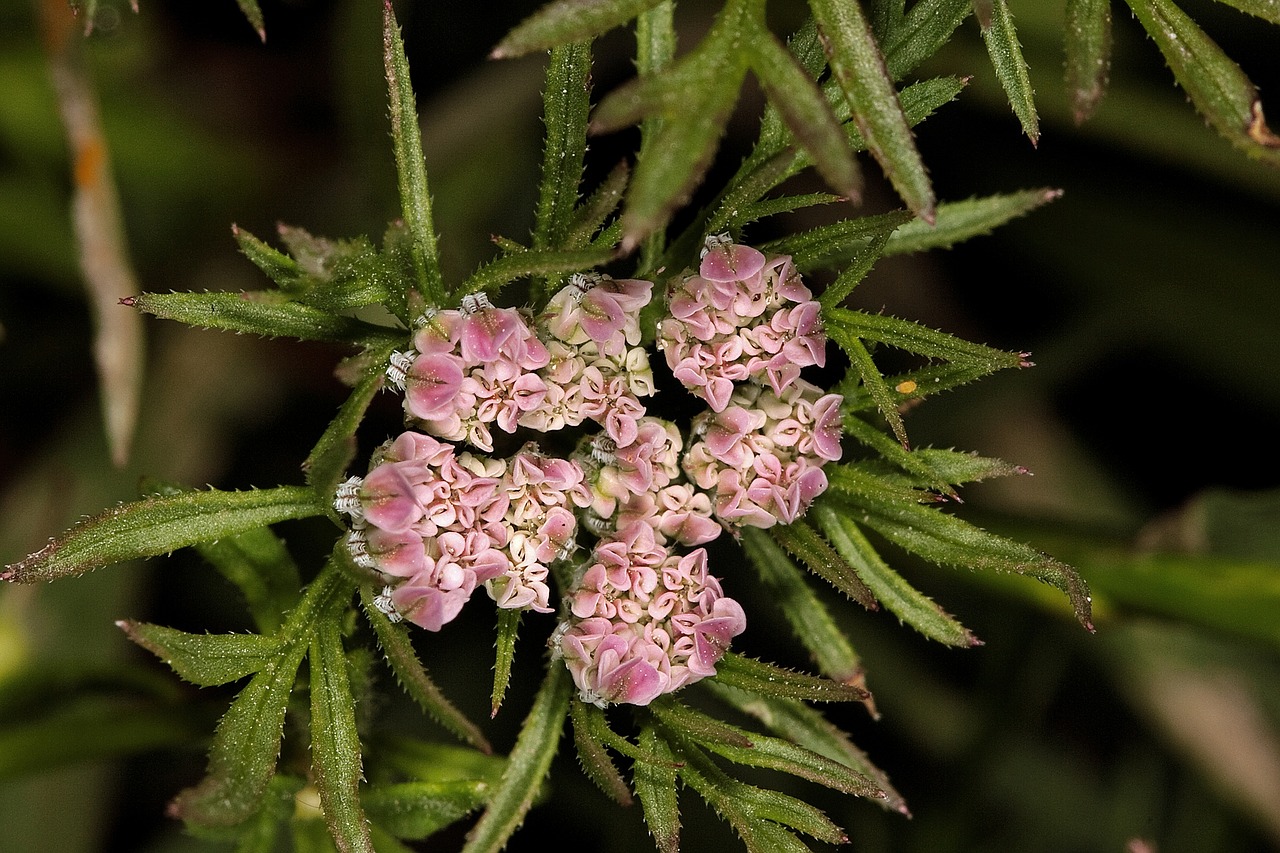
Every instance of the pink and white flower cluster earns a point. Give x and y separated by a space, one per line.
743 317
643 616
437 524
762 456
645 621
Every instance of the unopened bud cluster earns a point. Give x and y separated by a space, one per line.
642 616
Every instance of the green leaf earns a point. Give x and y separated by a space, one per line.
416 810
257 313
694 97
158 525
837 243
921 340
529 761
534 262
807 727
566 101
1216 85
759 750
792 91
246 746
947 540
809 617
254 14
873 381
655 783
261 833
1087 43
771 680
804 542
593 756
504 656
1268 10
335 742
899 597
1011 68
565 21
961 220
415 197
921 33
326 464
853 274
279 267
859 68
397 647
592 213
258 563
205 659
772 207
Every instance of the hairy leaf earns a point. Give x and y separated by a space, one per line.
770 680
326 464
804 542
257 313
1011 68
565 21
158 525
1087 43
205 659
655 783
505 655
593 756
416 810
534 262
921 33
961 220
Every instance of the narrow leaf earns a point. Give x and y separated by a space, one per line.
398 649
921 340
565 21
594 758
1011 68
947 540
805 543
834 244
326 464
530 759
655 783
246 746
809 617
853 274
205 659
1267 10
899 597
592 213
922 32
960 220
873 381
773 206
1087 43
279 267
158 525
508 268
860 69
504 656
416 810
1216 85
792 91
771 680
252 11
335 743
415 197
255 313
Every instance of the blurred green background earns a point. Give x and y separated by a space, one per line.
1149 295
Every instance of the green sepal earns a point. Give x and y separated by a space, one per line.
1215 84
258 313
859 68
833 245
921 33
807 727
810 618
246 745
205 659
802 541
158 525
1086 40
411 170
772 680
417 810
504 656
898 597
335 741
565 21
527 765
535 262
754 749
655 784
961 220
593 757
947 540
1001 38
397 649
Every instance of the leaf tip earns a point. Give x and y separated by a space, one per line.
128 301
1258 130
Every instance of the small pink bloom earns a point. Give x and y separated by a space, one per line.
725 261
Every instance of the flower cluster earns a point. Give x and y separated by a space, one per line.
642 615
742 317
